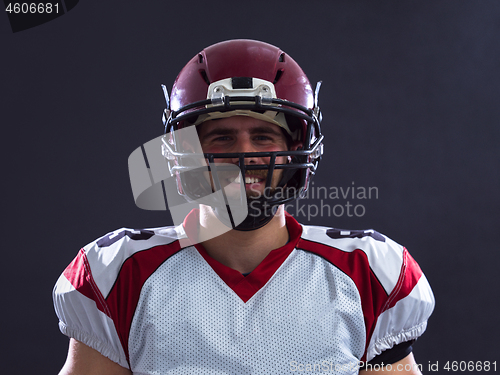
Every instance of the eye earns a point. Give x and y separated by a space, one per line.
222 138
263 138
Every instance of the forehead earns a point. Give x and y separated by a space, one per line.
238 124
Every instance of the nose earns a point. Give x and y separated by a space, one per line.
244 145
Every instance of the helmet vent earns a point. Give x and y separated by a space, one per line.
204 76
282 57
279 73
200 58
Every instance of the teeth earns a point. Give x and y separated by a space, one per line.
248 180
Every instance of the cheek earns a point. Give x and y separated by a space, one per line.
210 149
281 160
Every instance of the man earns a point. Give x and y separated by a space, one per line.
225 293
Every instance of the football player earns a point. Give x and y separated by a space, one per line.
239 286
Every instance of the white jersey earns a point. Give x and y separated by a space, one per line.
326 301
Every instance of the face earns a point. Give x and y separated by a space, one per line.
245 134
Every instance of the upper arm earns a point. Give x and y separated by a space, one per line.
83 360
85 316
404 314
405 366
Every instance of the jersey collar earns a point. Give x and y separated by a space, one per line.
246 286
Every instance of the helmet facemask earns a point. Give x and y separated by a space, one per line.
233 97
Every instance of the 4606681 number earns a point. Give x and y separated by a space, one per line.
463 366
33 8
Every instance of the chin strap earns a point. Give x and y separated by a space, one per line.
257 216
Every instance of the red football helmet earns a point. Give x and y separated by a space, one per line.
251 78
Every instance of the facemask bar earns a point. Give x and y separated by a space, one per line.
315 152
239 103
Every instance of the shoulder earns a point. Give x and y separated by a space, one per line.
362 249
132 240
396 297
104 258
123 243
89 295
368 240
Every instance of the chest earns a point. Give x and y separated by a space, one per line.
308 312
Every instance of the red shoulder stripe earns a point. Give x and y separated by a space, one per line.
408 278
79 275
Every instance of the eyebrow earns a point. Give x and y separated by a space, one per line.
232 131
265 130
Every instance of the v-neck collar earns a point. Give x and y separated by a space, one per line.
246 286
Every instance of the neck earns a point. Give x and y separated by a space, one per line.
243 250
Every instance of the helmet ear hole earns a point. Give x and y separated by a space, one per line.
279 73
203 74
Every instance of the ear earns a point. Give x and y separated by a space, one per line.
293 147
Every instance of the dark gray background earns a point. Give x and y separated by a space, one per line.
410 100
